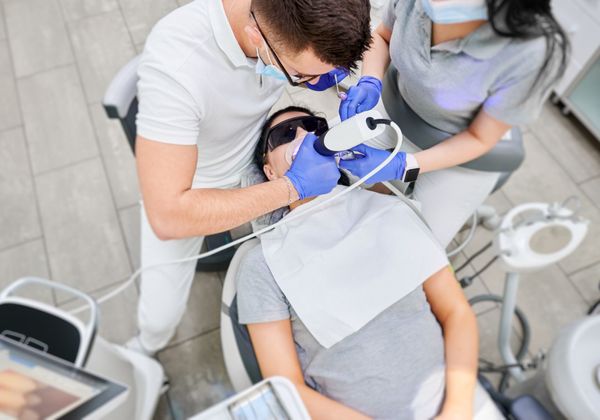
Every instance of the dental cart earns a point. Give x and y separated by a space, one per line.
46 348
67 361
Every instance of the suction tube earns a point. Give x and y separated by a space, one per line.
351 132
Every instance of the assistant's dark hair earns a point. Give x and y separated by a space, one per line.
337 32
528 19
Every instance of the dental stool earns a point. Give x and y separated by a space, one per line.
506 156
120 102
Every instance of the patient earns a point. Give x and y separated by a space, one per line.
416 359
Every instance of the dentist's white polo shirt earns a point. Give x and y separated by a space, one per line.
197 87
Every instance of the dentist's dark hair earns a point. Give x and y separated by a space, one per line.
528 19
337 32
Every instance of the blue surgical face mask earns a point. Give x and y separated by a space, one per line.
455 11
268 70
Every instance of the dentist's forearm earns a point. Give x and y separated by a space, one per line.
200 212
377 58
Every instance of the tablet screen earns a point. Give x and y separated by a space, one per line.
36 386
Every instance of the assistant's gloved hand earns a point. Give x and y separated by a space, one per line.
373 157
311 173
361 97
327 80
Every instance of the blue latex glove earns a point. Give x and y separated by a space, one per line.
311 173
361 97
327 80
373 157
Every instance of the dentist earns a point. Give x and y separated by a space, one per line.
209 75
473 68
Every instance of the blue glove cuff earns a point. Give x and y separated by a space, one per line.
400 160
373 81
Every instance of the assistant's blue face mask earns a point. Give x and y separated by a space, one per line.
268 70
455 11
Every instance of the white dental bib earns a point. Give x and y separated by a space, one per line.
342 265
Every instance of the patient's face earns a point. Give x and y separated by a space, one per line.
276 165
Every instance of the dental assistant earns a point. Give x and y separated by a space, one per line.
209 74
473 68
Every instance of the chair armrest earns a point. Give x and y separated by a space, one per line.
122 90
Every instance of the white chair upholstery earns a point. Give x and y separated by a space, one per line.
143 375
233 360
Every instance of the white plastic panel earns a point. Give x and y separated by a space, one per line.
583 32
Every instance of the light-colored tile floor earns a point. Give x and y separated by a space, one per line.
70 207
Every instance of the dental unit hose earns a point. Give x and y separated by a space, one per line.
342 137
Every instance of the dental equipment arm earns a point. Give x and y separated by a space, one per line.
275 351
459 327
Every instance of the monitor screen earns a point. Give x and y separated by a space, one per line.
34 385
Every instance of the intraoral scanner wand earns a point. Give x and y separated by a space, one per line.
351 132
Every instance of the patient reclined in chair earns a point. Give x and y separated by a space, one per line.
409 350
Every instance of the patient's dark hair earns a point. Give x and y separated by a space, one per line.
260 146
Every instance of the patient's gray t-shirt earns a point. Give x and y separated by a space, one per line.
392 368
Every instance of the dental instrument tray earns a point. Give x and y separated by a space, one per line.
47 387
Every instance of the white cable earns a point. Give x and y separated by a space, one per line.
291 216
412 205
406 201
467 240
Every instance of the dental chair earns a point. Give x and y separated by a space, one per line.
240 360
120 102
